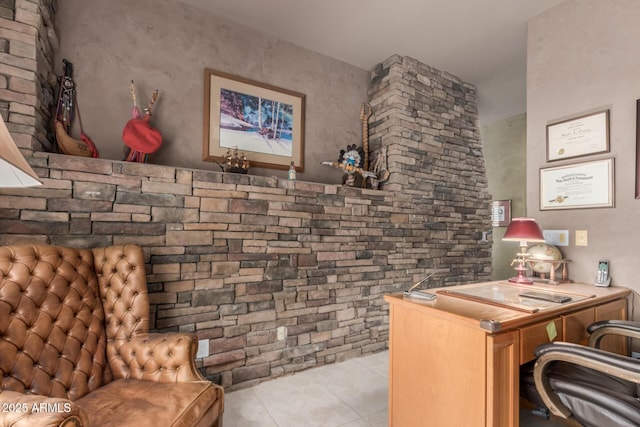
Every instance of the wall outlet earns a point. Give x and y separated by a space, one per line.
203 349
281 333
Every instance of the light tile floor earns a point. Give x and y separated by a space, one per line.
353 393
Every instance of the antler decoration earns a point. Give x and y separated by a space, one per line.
365 113
135 111
153 100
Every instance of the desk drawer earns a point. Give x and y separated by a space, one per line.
575 326
616 310
534 335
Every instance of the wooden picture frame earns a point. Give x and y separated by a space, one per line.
500 213
579 136
261 121
578 185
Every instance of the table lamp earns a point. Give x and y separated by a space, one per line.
14 169
522 230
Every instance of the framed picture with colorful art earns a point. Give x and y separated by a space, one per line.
264 122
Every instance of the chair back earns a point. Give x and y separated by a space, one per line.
122 281
52 335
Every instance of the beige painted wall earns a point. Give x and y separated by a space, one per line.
584 56
504 144
165 45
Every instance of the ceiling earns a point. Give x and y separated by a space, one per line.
483 42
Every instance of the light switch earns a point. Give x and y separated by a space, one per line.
581 238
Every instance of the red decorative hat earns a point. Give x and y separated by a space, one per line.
140 136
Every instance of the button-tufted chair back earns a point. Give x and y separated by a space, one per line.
65 312
52 335
123 288
74 332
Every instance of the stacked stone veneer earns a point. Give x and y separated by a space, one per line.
237 258
234 257
27 81
427 120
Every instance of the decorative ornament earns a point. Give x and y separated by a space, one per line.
544 259
380 169
350 160
138 134
234 162
541 257
365 113
66 108
355 160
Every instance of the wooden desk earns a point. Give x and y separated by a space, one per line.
455 362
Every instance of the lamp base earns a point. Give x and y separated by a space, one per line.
521 279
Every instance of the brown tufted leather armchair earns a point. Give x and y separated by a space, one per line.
75 348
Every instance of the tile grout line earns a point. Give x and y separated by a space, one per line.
362 417
371 369
266 408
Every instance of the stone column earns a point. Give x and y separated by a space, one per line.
27 80
427 120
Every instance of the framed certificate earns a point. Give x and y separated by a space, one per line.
579 136
580 185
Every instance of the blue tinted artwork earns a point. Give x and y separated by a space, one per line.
255 124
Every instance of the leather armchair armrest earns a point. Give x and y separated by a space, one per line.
166 357
26 410
593 358
599 330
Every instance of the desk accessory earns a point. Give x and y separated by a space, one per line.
420 294
522 230
602 277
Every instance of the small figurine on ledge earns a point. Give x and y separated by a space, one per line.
355 160
350 161
235 162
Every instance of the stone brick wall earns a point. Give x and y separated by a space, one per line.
235 257
279 276
427 120
27 80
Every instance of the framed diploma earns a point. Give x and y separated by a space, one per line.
579 136
576 186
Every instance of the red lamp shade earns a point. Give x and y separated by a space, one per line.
523 230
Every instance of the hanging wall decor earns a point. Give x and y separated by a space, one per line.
264 121
579 136
579 185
